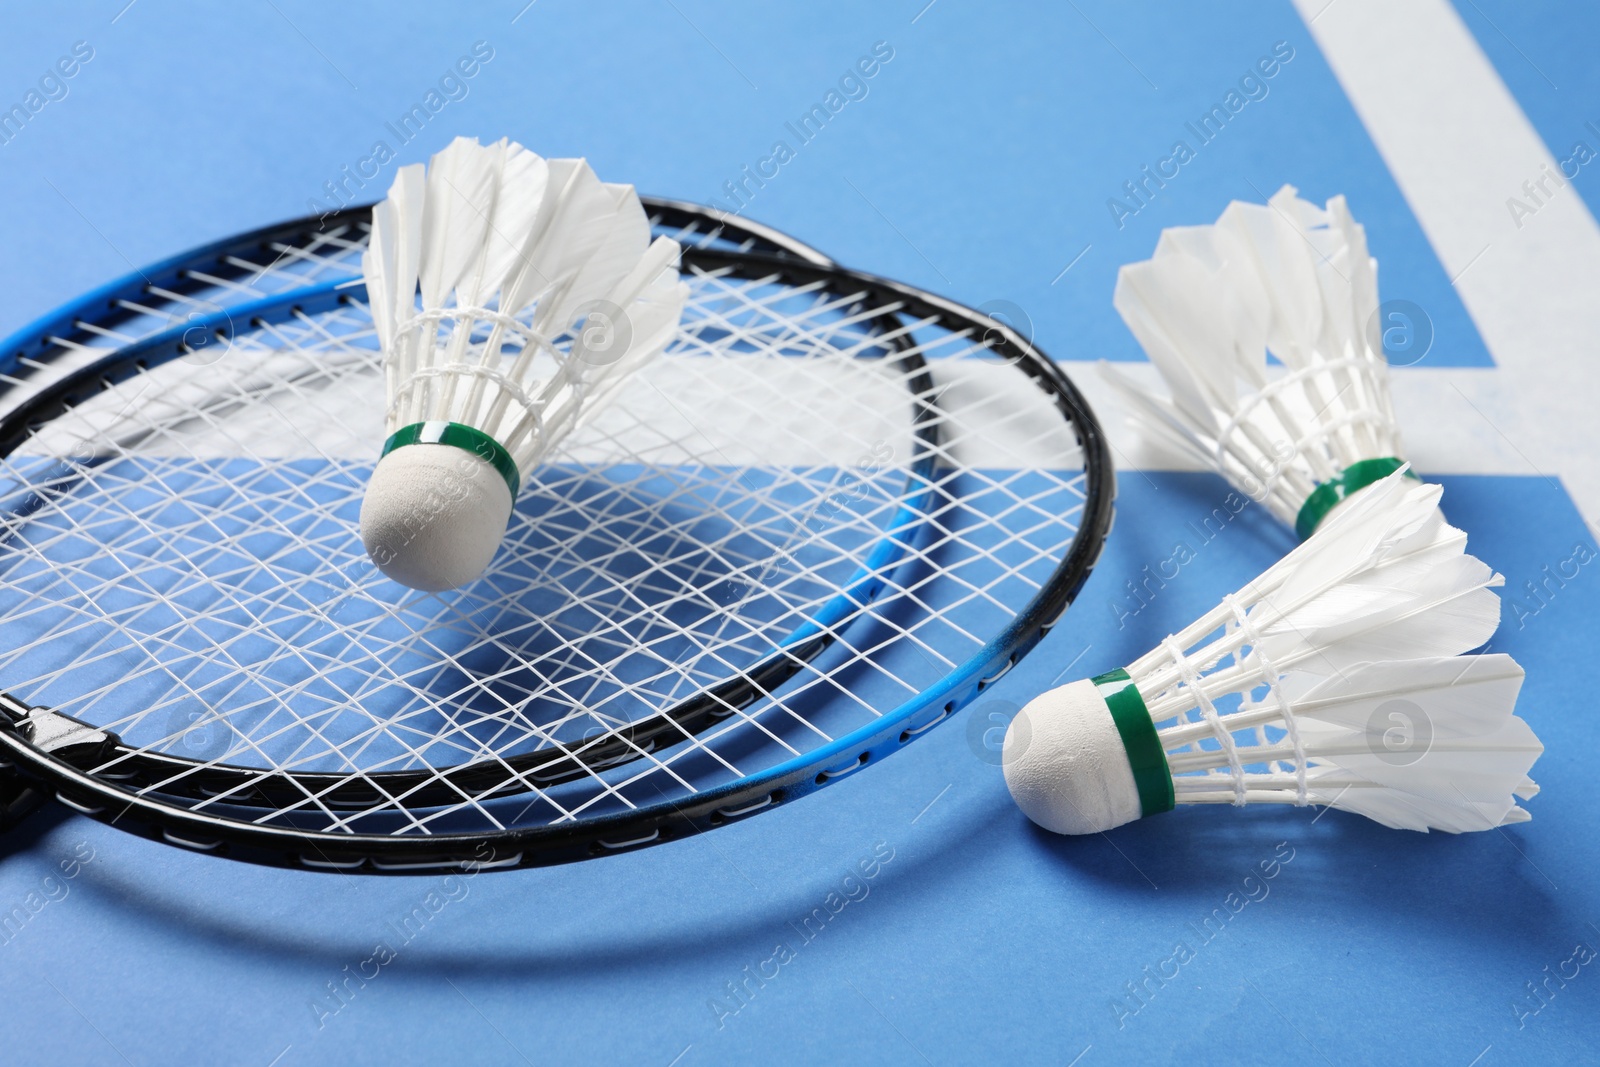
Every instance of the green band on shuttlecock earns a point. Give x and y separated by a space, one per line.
458 435
1325 497
1150 771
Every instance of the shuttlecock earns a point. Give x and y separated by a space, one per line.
481 388
1336 678
1288 278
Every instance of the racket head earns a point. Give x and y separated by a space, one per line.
881 493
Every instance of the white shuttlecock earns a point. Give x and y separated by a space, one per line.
1286 277
1336 678
480 388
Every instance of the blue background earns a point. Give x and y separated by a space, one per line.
978 165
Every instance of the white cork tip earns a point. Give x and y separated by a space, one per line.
434 515
1065 763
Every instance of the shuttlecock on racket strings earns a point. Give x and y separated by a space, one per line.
1335 678
540 293
1286 278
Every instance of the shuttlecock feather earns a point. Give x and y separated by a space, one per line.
1338 677
512 296
1285 278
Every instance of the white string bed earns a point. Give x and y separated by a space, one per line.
180 564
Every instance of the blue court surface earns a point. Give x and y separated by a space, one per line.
998 155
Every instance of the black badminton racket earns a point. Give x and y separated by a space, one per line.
828 516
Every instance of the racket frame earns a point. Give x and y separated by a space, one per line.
281 846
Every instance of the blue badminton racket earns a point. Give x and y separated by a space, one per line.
204 283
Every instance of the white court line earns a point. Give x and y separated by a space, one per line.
1458 145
